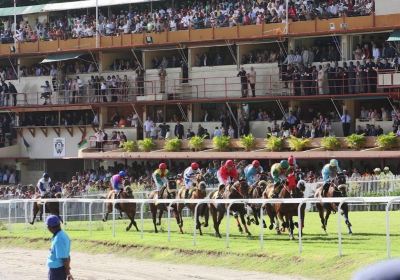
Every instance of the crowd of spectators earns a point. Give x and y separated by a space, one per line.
166 62
260 56
66 118
191 14
7 131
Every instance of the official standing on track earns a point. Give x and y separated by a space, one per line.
59 258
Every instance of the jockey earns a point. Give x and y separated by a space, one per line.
160 177
188 176
44 185
252 171
329 171
292 163
279 171
116 182
227 173
57 188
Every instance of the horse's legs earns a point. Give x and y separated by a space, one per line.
328 213
132 221
153 210
160 215
35 211
236 215
345 213
179 219
242 213
256 212
271 215
214 216
108 211
320 209
206 215
290 226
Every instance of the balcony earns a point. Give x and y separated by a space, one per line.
247 32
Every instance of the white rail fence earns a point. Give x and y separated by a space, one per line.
388 201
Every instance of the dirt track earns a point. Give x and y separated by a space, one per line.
21 264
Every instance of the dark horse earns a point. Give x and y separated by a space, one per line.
337 188
198 192
256 191
128 208
168 192
50 207
285 212
238 190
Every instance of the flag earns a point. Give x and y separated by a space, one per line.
26 144
83 141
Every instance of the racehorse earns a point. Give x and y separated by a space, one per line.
285 212
168 192
128 207
256 191
337 188
198 192
50 207
238 190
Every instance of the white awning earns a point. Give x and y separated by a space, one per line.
90 4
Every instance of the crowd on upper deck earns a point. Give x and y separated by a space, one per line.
189 14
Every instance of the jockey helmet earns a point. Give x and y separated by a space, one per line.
46 175
386 168
377 170
301 184
162 166
255 163
229 163
334 163
284 164
122 173
292 160
194 165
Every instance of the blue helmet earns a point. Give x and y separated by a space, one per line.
333 163
122 174
46 175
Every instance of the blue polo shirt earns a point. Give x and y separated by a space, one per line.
60 249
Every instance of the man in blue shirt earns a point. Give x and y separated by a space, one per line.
59 258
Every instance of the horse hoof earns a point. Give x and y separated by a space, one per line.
205 225
271 227
248 234
291 237
296 224
127 229
104 220
248 222
257 223
278 232
158 224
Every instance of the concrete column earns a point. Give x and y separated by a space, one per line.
144 119
291 44
345 44
190 58
238 56
103 116
189 113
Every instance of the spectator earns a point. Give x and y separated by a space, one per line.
346 122
148 124
162 74
179 131
251 76
243 81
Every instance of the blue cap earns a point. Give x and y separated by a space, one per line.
52 221
122 173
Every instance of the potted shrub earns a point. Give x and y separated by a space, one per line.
330 143
129 146
356 141
274 143
248 142
221 143
196 143
298 144
173 145
386 141
146 145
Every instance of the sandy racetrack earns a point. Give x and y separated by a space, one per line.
18 264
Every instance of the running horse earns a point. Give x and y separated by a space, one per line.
285 212
52 207
198 192
238 190
256 191
128 207
166 192
337 188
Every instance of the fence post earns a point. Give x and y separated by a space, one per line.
262 225
44 214
90 218
113 223
65 212
26 214
141 219
227 219
9 215
388 242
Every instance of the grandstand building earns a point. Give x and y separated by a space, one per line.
74 82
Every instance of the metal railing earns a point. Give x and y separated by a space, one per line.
388 201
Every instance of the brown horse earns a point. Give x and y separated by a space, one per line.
337 188
128 208
256 191
238 190
168 192
198 192
50 207
285 212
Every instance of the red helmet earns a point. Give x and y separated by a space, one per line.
291 160
194 165
162 166
255 163
229 163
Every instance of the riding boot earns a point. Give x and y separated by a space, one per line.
325 189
